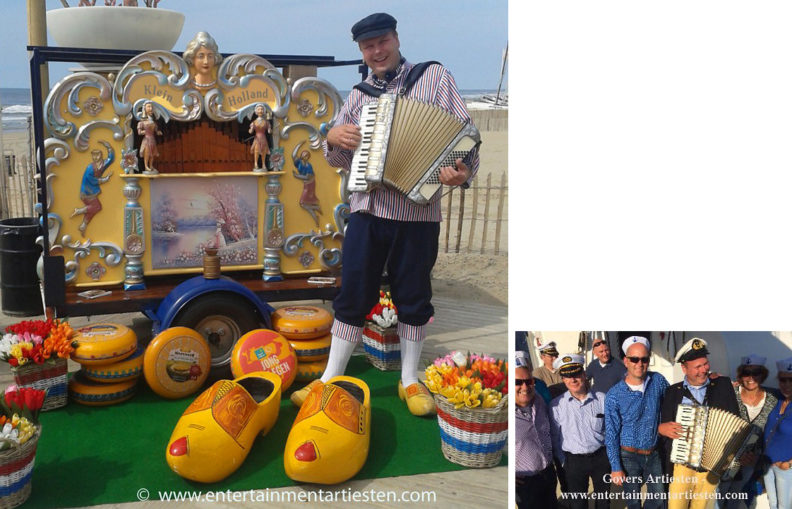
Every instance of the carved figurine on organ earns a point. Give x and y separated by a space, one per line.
182 126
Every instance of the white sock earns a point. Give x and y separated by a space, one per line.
410 355
340 352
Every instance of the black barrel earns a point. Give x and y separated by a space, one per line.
19 253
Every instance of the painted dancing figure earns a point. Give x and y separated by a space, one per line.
93 178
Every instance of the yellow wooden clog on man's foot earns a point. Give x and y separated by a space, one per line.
329 440
214 435
298 396
419 399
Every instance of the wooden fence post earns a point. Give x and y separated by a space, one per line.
460 218
473 215
486 212
448 217
500 213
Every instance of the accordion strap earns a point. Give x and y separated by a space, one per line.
412 77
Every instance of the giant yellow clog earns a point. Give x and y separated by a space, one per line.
214 435
329 440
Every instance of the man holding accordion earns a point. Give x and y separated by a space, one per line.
385 228
695 487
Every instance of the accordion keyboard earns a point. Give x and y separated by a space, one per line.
357 171
688 449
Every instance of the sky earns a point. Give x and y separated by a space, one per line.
467 36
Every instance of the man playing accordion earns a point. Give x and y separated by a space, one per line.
385 227
692 487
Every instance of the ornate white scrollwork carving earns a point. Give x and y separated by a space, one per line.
84 133
330 258
111 253
70 88
328 95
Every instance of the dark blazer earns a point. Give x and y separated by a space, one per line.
720 394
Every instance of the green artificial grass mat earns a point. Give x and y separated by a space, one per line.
103 455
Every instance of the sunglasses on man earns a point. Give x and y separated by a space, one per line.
598 343
635 360
524 381
785 379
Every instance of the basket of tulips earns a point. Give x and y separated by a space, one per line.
19 435
472 407
37 351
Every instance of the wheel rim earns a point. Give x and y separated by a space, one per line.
221 333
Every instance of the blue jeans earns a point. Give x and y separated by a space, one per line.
638 465
740 485
779 488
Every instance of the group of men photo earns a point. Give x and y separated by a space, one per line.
614 422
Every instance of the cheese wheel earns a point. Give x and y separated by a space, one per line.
127 369
308 371
103 343
88 392
264 350
177 362
302 322
310 350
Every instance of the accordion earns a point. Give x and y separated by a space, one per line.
405 143
712 438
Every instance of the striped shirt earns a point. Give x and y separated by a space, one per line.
436 86
532 438
578 427
632 417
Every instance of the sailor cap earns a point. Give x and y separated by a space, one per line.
753 360
693 349
633 340
784 365
548 348
570 364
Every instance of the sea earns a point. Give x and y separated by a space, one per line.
17 109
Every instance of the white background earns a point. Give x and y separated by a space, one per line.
650 165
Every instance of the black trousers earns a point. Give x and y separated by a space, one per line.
537 491
578 468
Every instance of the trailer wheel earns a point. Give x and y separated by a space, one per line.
221 319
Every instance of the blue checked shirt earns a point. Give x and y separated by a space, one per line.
632 417
436 86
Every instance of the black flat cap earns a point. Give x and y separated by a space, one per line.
373 26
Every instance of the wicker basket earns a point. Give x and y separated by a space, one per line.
49 376
382 347
16 470
473 437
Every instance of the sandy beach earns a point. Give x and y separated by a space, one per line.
17 197
479 277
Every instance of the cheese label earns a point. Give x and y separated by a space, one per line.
264 350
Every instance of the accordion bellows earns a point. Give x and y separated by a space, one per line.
405 143
713 438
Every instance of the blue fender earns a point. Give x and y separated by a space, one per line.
198 286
